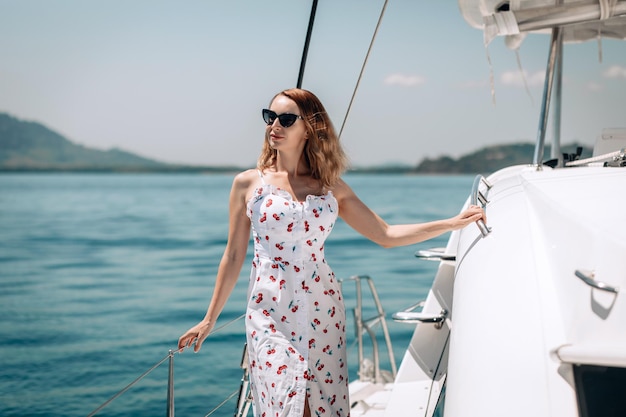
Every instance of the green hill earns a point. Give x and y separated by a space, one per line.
30 146
490 159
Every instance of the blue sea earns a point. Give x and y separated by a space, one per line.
101 273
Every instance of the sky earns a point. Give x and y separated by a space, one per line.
184 81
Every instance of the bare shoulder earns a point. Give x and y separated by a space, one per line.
244 183
342 191
246 178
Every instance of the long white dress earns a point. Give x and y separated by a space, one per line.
295 318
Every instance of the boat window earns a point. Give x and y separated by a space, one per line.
601 391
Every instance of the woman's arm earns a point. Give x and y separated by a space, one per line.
362 219
230 265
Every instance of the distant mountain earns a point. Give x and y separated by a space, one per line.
490 159
30 146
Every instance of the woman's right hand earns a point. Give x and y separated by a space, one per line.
196 334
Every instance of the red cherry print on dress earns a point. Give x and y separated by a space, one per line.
292 241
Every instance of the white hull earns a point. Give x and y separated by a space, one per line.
519 319
518 302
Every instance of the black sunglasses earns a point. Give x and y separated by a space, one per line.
285 119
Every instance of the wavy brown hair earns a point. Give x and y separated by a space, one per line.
322 151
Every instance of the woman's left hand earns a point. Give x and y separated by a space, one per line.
470 215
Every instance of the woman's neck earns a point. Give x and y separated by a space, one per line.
293 167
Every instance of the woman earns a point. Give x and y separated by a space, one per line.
295 317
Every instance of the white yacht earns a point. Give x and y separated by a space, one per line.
526 315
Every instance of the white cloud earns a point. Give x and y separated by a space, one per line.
516 78
404 80
594 86
615 71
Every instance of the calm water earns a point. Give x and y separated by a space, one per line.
100 274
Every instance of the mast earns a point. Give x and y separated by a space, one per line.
307 41
555 48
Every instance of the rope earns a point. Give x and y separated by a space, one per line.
595 158
156 365
223 326
127 387
358 81
222 403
